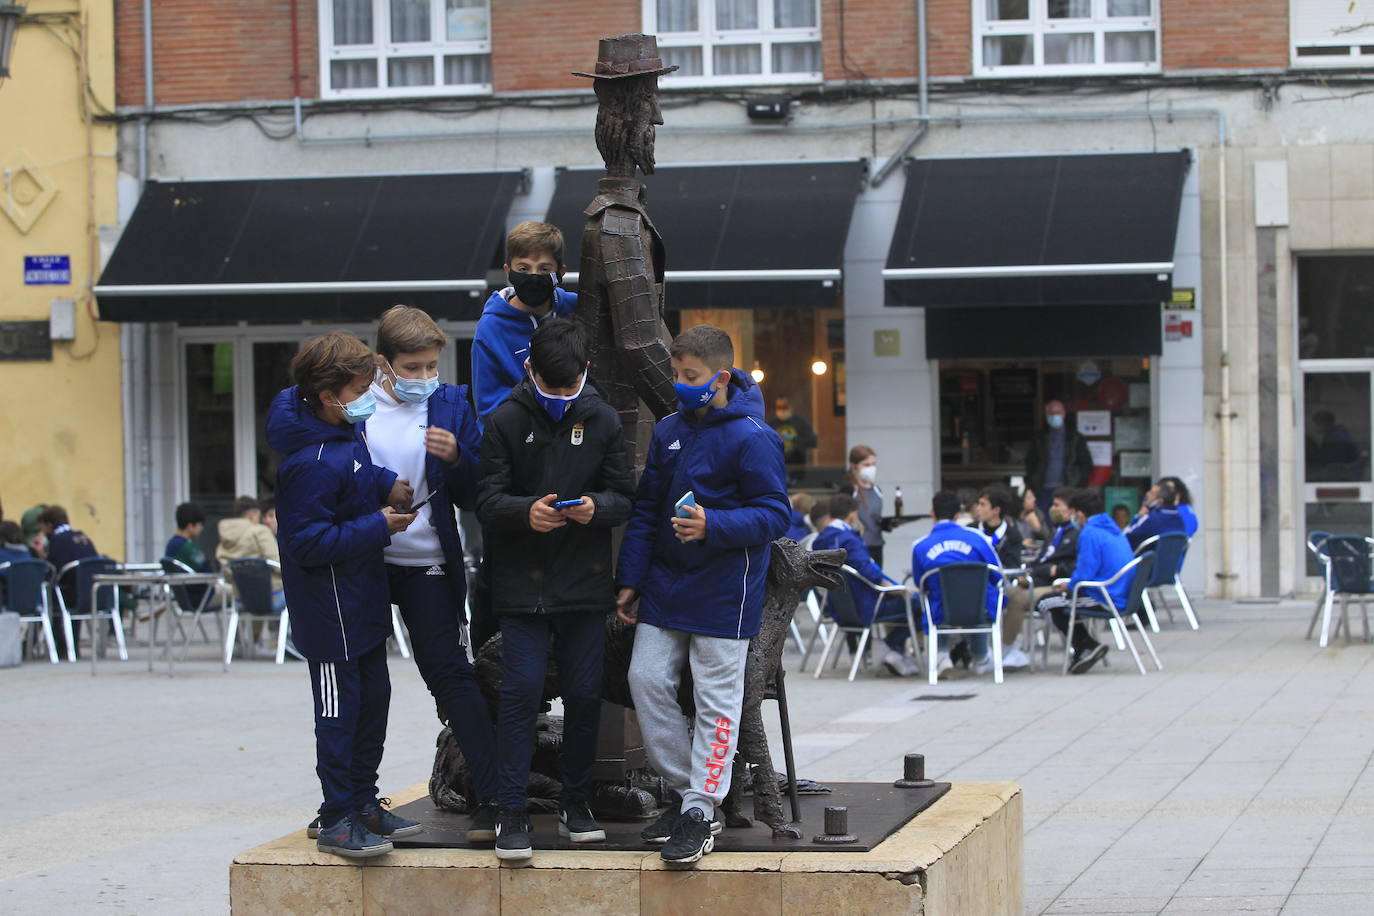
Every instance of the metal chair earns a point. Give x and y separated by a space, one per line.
1140 570
1315 540
813 601
90 605
185 601
1347 574
252 581
844 615
26 593
964 601
1170 549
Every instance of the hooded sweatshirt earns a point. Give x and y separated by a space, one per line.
241 539
501 345
733 463
1102 551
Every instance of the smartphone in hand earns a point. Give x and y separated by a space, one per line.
688 499
568 503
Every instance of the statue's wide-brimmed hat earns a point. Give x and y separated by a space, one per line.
627 55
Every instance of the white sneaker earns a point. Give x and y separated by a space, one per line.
982 665
943 665
899 664
1013 656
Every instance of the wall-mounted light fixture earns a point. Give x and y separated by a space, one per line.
10 14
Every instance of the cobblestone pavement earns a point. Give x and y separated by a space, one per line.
1237 780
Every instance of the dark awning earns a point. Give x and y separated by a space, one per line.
766 235
1050 332
1036 230
296 249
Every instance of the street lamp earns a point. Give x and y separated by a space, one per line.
9 23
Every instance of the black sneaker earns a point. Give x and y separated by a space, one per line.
1087 658
691 839
350 838
575 822
385 824
513 836
657 833
483 826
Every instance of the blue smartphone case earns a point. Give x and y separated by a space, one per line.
688 499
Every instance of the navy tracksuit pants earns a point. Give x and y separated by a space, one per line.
352 699
432 611
579 644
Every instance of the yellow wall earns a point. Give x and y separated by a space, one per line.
61 435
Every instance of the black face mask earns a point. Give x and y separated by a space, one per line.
532 289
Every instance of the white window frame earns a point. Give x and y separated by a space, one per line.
766 35
1300 36
1039 25
382 51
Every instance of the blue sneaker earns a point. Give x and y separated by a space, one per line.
385 824
351 839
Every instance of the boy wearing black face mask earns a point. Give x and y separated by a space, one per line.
552 441
534 266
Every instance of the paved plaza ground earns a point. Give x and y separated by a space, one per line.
1237 780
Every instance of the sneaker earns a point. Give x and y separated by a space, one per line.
1013 656
691 839
483 826
351 839
385 824
513 836
944 665
657 833
982 665
575 822
1087 658
892 661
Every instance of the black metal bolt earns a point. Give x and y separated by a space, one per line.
836 827
914 773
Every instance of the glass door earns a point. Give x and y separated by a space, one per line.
1337 493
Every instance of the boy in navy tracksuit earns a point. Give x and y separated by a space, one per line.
335 519
1160 515
698 574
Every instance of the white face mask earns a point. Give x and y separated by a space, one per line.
869 474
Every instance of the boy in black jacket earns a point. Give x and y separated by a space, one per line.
552 441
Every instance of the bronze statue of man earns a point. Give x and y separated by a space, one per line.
620 284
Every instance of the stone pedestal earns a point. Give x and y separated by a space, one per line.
962 855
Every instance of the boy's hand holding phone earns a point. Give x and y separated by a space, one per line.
579 510
624 605
544 517
693 526
397 521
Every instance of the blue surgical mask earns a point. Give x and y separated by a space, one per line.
556 405
693 397
1056 420
359 410
415 390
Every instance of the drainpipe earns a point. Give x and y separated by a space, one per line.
141 366
1225 413
922 103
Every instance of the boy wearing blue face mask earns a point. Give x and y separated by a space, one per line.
553 441
534 266
425 431
698 574
335 518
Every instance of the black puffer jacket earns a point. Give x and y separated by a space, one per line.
525 455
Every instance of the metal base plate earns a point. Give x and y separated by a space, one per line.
876 811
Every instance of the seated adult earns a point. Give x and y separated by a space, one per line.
802 503
1102 551
1055 561
1158 515
245 537
840 532
1034 525
1185 504
950 542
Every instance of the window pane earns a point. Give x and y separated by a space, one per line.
410 71
1335 319
1129 47
1008 9
271 373
210 426
1069 49
466 20
1070 9
677 16
688 60
1128 7
794 14
737 14
352 22
802 57
467 69
1336 417
734 60
353 74
1008 51
410 20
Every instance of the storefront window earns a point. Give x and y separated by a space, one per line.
271 373
209 393
1337 434
1334 317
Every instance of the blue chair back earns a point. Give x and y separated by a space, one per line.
964 594
1147 573
253 584
1169 550
83 572
841 607
24 584
1349 563
187 598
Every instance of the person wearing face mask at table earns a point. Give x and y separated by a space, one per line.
1057 457
862 484
1055 561
500 345
425 431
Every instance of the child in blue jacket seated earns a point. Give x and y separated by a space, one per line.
950 542
335 519
1102 551
1159 514
698 573
841 532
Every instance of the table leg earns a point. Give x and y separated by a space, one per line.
152 631
97 642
